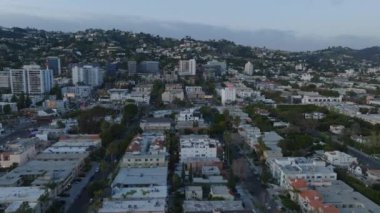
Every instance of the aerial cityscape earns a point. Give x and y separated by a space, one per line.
100 115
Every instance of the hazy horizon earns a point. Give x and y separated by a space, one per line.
294 25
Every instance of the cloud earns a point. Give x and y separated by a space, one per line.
270 38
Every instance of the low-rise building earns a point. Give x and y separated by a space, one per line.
314 116
173 92
197 146
140 177
134 206
76 91
316 99
146 150
336 129
17 152
210 206
44 171
286 168
12 107
210 171
338 158
221 191
156 124
228 93
194 193
194 92
11 198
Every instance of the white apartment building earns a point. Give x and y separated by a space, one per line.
194 92
118 94
192 114
173 92
228 93
306 77
4 79
89 75
338 158
198 146
76 91
306 99
187 67
146 150
31 80
248 68
286 168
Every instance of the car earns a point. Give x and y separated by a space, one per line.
97 169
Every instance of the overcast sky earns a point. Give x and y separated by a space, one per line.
279 24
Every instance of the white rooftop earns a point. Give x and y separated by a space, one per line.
153 205
141 177
12 194
134 193
209 206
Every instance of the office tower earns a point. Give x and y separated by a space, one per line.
54 63
248 68
132 67
88 75
221 66
4 80
148 67
31 80
187 67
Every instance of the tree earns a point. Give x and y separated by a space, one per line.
129 112
7 109
183 173
191 173
227 142
24 208
28 101
231 180
21 101
14 99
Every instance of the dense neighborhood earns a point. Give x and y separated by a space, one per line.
114 121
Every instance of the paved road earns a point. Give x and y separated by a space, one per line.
364 158
82 203
256 192
361 156
78 187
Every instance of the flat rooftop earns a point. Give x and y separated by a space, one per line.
220 189
12 194
141 176
66 149
132 193
339 193
152 205
147 143
209 206
46 171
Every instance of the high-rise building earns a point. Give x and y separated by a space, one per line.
54 63
4 80
187 67
132 67
31 80
248 68
88 75
148 67
221 66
